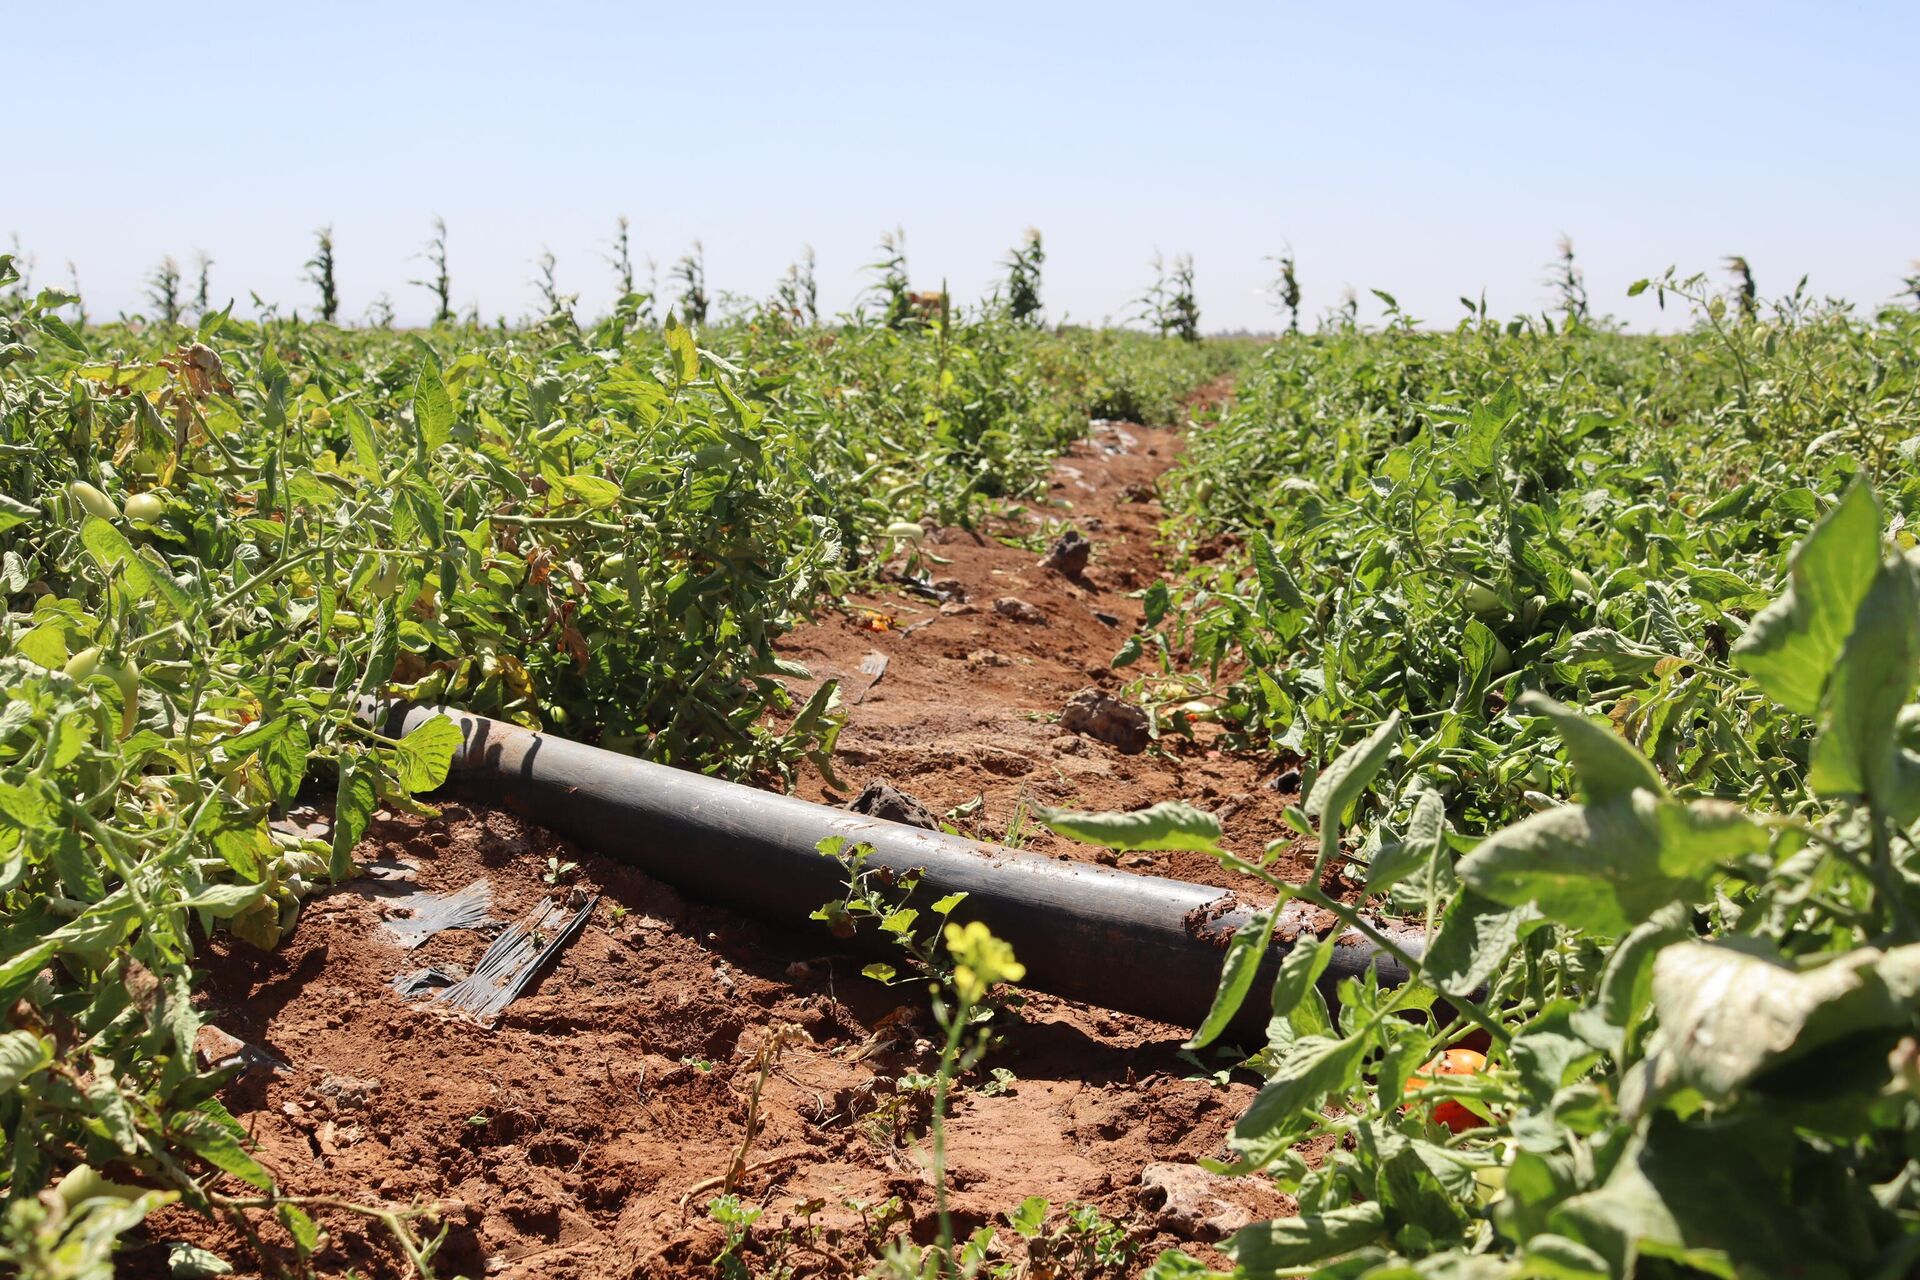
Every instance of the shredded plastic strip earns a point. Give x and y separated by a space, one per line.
515 959
430 913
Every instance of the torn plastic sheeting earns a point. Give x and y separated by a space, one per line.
420 981
514 960
430 913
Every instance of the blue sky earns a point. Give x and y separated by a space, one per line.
1432 150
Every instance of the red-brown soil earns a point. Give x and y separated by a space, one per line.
969 701
578 1137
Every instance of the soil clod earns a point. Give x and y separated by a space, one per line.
881 799
1019 610
1098 715
1068 555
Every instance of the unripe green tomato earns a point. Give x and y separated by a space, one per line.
92 501
1481 599
385 581
1583 584
146 506
82 664
89 662
83 1182
1502 659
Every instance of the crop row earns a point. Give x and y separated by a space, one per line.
213 542
1596 653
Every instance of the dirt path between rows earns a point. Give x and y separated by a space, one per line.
563 1142
969 703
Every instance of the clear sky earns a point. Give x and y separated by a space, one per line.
1432 150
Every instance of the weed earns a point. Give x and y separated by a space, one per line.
1284 290
1169 304
1023 263
320 268
163 292
691 273
440 284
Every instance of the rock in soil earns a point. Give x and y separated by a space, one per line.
1019 610
1069 554
1116 723
881 799
1194 1204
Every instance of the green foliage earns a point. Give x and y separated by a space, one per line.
1672 579
1023 265
1169 304
212 544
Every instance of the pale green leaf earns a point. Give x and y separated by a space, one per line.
1267 1248
433 410
1792 644
1171 824
1245 950
423 756
22 1053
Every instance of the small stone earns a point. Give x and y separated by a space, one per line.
1097 715
348 1092
952 607
881 799
1193 1203
988 658
1019 610
1286 781
1069 554
217 1051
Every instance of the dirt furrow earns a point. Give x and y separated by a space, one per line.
564 1141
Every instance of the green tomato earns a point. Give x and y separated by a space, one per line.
386 581
1481 599
90 662
92 501
146 506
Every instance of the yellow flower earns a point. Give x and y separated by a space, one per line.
980 960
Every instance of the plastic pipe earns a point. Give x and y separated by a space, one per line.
1141 944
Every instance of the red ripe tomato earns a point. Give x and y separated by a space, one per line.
1454 1062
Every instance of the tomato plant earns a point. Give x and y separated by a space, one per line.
216 544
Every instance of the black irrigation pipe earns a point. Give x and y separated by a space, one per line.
1141 944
